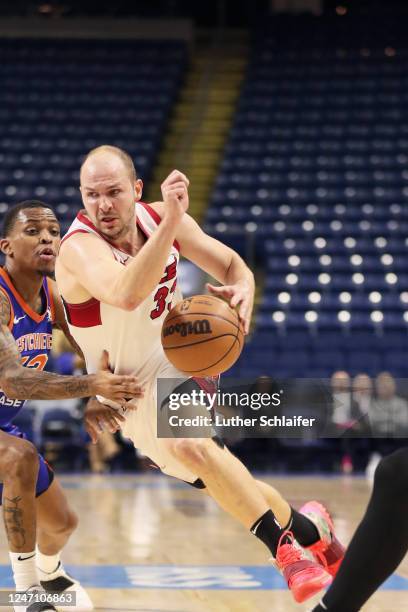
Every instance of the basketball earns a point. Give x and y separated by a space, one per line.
202 336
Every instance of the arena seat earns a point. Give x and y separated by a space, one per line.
59 98
314 180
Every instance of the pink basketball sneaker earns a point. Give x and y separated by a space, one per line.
328 550
305 577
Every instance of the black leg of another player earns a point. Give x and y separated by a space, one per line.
380 542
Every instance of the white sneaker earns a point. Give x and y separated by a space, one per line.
60 582
36 605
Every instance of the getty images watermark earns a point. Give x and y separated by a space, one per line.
268 408
198 398
232 409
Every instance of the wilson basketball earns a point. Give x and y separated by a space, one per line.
202 336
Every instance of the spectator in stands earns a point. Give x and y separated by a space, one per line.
389 412
344 418
343 405
363 392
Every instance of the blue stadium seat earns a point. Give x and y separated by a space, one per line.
48 119
316 162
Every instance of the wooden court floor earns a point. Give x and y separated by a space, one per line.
148 543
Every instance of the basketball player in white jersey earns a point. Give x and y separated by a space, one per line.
117 274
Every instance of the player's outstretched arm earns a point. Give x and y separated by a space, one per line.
221 262
19 382
91 262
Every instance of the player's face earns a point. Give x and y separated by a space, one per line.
34 241
109 195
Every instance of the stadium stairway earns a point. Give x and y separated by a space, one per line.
202 117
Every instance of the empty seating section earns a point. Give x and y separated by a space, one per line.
60 98
315 180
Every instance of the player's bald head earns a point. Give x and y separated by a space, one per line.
105 160
109 189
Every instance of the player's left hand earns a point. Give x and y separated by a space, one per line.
100 417
240 294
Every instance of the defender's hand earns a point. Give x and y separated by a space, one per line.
115 387
242 295
99 418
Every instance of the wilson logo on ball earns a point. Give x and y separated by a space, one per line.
185 329
202 336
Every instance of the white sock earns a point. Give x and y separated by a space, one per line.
24 569
47 563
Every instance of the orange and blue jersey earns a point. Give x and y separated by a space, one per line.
32 333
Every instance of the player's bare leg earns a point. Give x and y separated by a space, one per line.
56 522
19 466
231 485
226 479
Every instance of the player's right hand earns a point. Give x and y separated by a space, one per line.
175 194
116 387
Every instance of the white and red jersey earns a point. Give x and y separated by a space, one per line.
132 339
